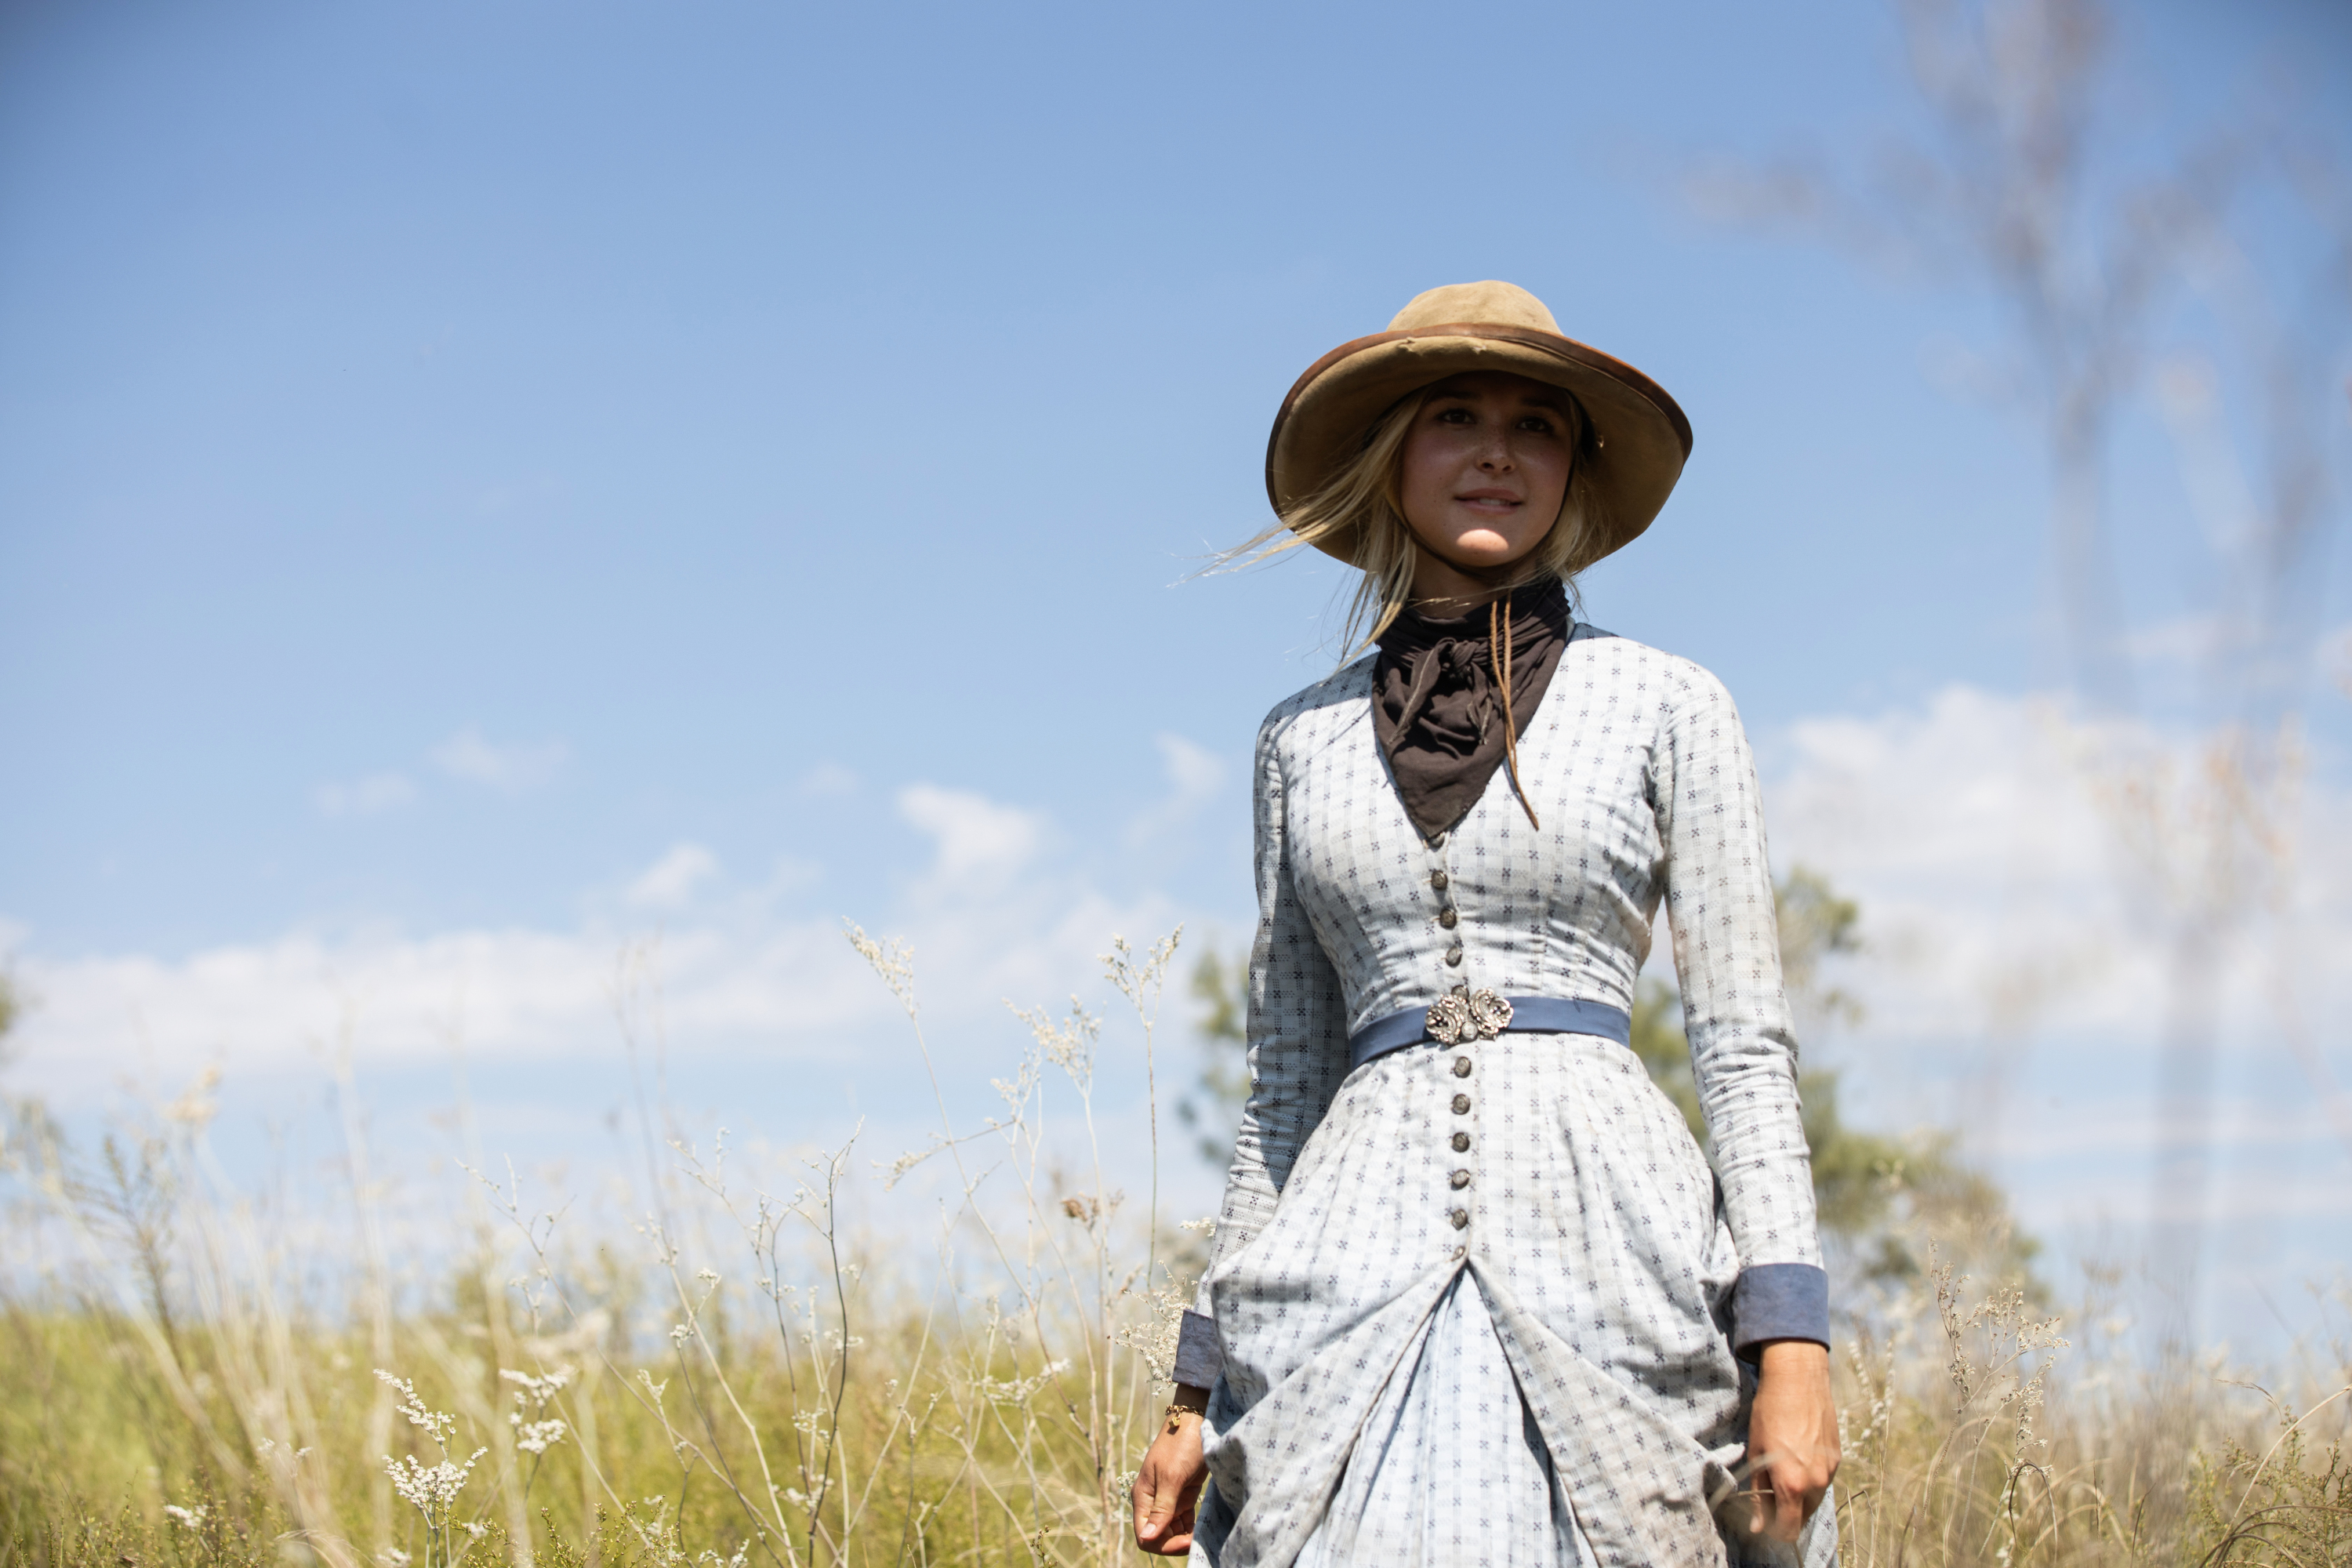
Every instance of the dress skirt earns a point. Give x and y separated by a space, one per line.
1486 1325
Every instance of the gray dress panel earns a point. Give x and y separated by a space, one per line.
1473 1301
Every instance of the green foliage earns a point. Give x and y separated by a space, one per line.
1221 985
1658 1039
1815 924
1876 1195
2284 1506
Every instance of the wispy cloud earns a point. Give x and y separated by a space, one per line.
368 796
669 882
1194 775
978 840
512 769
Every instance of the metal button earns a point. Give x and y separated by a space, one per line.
1437 841
1437 880
1461 1219
1461 1067
1461 1105
1448 917
1461 1179
1461 1142
1454 956
1460 1252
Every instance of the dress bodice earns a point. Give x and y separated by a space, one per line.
1560 906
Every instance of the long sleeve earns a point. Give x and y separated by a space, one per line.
1297 1053
1719 905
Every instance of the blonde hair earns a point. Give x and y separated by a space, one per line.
1363 502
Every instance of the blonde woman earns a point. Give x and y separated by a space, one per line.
1475 1295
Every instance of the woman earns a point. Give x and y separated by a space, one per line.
1475 1295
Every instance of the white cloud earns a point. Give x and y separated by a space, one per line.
977 838
669 882
510 768
365 797
2001 850
726 977
1194 776
1195 771
279 1006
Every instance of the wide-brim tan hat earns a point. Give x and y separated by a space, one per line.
1635 453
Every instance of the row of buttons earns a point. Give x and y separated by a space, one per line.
1448 917
1461 1179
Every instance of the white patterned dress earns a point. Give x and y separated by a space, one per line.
1474 1304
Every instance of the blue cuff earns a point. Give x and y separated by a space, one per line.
1200 1357
1779 1301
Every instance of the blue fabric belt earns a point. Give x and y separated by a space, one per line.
1539 1015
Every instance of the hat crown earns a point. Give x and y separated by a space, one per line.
1490 304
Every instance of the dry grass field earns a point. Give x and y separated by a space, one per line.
180 1385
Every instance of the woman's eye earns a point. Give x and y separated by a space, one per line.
1454 416
1537 423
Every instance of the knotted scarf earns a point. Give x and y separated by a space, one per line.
1440 707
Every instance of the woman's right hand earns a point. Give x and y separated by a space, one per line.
1168 1486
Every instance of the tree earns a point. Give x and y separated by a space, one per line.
1211 1107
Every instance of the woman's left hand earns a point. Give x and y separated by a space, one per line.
1792 1436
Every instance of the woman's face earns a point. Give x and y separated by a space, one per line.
1485 467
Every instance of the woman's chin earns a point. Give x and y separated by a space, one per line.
1479 560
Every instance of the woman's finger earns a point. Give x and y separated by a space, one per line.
1151 1508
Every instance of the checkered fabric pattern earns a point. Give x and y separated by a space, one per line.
1472 1300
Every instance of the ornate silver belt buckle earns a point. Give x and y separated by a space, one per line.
1463 1014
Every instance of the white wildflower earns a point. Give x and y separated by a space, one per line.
394 1557
433 1423
189 1517
536 1436
894 962
1019 1390
432 1489
539 1390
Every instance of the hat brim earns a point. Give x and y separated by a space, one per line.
1640 437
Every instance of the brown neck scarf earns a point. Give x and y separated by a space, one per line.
1450 699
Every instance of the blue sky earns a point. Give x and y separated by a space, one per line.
504 479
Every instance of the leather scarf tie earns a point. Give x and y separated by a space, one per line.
1451 697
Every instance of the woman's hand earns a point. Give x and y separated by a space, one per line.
1792 1436
1169 1484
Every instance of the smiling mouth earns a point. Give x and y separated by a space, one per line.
1490 498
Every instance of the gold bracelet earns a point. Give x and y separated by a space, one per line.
1176 1414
